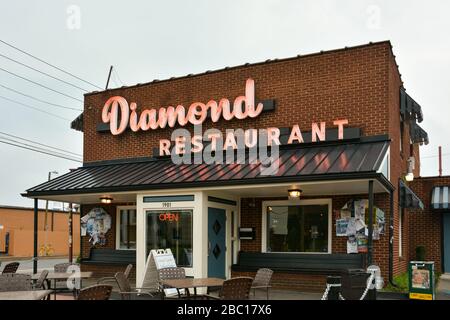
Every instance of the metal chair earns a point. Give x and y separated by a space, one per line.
11 267
109 279
61 268
41 282
235 289
170 273
262 280
15 282
125 289
95 292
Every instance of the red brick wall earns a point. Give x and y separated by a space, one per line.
251 216
339 84
425 226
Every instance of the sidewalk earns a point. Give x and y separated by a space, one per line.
26 263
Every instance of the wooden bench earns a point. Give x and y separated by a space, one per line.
110 257
329 264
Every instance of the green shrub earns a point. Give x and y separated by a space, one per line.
401 281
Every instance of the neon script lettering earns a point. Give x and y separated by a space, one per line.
119 114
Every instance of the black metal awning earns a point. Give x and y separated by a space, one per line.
440 197
417 134
408 199
77 123
409 108
298 163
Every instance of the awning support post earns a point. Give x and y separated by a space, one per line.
391 238
370 227
35 244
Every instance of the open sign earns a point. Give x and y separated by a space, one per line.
169 217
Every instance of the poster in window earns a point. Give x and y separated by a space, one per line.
341 227
420 278
278 222
362 244
352 245
351 227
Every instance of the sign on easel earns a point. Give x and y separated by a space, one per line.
158 259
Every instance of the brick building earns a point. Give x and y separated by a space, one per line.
345 134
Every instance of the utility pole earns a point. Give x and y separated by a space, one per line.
46 214
70 234
440 161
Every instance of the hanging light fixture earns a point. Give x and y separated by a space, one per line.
106 200
294 193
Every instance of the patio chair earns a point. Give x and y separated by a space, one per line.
11 267
15 282
95 292
113 279
234 289
63 267
262 280
41 282
125 289
170 273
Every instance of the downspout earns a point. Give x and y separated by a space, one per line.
391 239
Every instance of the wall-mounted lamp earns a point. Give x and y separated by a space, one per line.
411 164
294 193
106 200
409 176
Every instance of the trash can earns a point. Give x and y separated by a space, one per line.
421 280
354 283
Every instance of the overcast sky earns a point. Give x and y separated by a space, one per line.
147 40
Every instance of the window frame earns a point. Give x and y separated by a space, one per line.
265 204
118 209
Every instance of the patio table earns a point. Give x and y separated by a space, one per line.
25 295
59 276
195 283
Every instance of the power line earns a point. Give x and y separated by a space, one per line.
41 151
42 72
39 148
435 156
49 64
45 145
40 85
34 108
40 100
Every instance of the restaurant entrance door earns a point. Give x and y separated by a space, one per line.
216 242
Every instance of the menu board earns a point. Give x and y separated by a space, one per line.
158 259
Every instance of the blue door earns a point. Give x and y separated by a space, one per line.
446 244
216 242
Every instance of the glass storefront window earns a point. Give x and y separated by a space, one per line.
127 220
297 228
171 229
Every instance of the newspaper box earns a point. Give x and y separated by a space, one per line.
421 280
